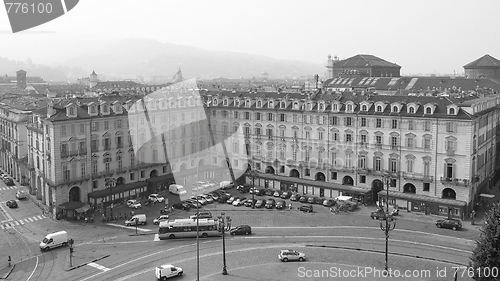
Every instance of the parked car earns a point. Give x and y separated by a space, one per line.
260 203
303 199
181 206
156 198
312 200
9 182
260 192
11 204
291 255
270 203
134 204
286 194
250 202
215 196
202 200
208 198
224 197
244 188
241 229
21 194
306 208
281 204
239 201
231 200
328 202
277 193
193 203
449 223
159 219
380 215
269 192
295 197
202 215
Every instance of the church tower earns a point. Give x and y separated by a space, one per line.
93 79
178 77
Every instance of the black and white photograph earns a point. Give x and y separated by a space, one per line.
256 140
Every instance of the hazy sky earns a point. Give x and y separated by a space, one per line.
422 36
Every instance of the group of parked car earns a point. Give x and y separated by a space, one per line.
6 179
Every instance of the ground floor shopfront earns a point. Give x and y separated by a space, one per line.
425 204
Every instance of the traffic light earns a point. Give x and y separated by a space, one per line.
71 250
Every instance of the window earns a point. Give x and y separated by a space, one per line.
257 116
118 124
364 139
348 137
258 150
236 147
428 110
450 127
450 145
379 108
410 125
320 135
363 121
378 140
427 168
66 173
106 125
143 174
294 154
412 109
410 142
334 175
427 186
395 109
427 143
94 167
378 123
394 124
308 172
307 155
132 176
270 117
393 165
282 132
308 134
257 131
247 115
427 125
247 131
63 130
394 142
82 128
409 165
377 164
452 111
364 107
347 121
95 184
348 160
333 120
283 117
294 118
362 162
362 179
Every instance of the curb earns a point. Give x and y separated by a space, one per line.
83 264
143 234
6 275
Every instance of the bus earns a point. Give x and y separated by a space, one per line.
181 228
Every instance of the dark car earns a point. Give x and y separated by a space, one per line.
380 215
312 200
260 192
281 204
224 197
306 208
231 200
181 206
286 194
241 229
11 204
449 223
250 202
269 192
245 188
9 182
328 202
270 203
260 203
295 197
303 199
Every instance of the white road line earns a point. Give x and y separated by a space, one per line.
98 266
29 219
34 218
39 217
157 237
129 227
17 223
21 221
2 226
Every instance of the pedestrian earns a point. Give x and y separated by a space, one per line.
290 206
86 220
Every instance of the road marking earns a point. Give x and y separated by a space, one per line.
21 222
98 266
157 237
12 223
34 218
129 227
39 217
29 220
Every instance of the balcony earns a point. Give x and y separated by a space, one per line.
418 176
107 173
291 163
72 180
94 149
64 153
346 169
454 181
364 171
395 147
121 170
450 152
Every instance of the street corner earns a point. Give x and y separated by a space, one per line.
79 259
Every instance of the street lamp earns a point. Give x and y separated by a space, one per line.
110 183
389 224
253 174
224 226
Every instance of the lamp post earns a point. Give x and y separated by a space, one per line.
110 183
389 224
253 174
224 226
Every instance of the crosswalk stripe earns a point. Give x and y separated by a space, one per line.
29 219
2 226
98 266
39 217
157 238
129 227
21 221
34 218
17 223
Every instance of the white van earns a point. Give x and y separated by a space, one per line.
167 270
136 220
177 189
54 240
226 185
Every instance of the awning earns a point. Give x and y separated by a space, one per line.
487 195
117 189
422 198
83 209
343 198
72 205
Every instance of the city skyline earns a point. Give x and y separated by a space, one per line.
421 37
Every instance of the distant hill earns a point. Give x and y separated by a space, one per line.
47 73
129 58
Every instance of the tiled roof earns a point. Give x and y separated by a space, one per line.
412 83
484 61
364 61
